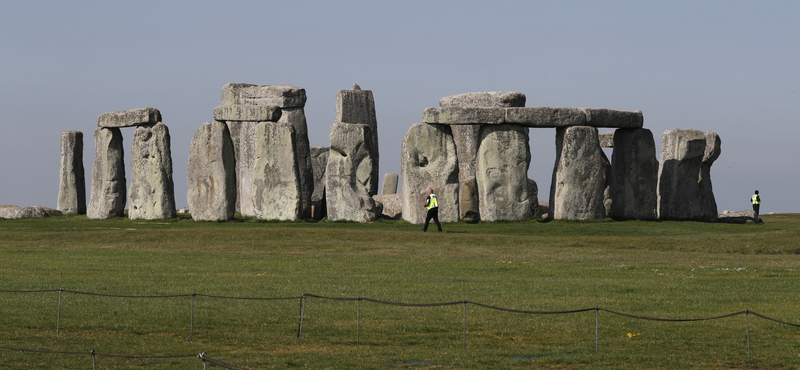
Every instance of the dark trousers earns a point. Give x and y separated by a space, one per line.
433 213
755 209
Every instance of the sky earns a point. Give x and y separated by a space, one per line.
732 67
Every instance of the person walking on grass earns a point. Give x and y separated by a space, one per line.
432 204
756 200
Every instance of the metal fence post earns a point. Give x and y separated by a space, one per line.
596 327
94 360
747 326
191 321
465 323
58 315
358 323
302 310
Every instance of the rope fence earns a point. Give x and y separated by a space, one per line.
302 306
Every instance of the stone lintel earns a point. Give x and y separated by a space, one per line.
284 96
129 118
249 113
535 117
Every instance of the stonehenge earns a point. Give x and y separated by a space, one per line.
473 151
72 186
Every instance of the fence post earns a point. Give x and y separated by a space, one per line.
302 310
94 360
358 323
747 326
465 323
58 315
191 322
596 327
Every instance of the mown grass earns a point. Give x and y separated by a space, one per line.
656 269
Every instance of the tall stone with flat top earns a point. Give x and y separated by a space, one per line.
152 192
502 173
580 175
634 175
72 187
108 194
358 106
428 160
466 138
684 175
211 174
276 178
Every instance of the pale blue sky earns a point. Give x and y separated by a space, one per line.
732 67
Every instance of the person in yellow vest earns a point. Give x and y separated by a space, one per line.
432 205
756 205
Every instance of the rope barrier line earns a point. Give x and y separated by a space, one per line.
771 319
29 291
128 296
248 298
672 320
203 356
531 312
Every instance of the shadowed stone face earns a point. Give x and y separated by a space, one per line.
684 175
350 174
72 188
428 160
211 174
502 173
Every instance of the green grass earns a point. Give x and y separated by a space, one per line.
656 269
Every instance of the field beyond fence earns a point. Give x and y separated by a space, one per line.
122 294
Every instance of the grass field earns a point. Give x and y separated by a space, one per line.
657 269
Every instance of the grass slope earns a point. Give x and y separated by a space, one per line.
656 269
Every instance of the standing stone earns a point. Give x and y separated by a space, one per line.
211 174
319 165
276 178
502 173
108 193
358 106
684 175
350 174
291 100
389 183
72 187
152 192
580 175
244 148
634 175
428 160
466 139
533 192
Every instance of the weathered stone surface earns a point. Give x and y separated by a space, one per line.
72 186
428 160
244 148
152 193
739 217
580 175
634 175
211 174
484 99
466 138
464 116
606 139
14 212
276 178
533 192
108 193
502 173
284 96
350 174
684 175
358 106
319 164
129 118
297 118
392 205
601 117
545 117
389 183
247 113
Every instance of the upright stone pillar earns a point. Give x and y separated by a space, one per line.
428 160
276 179
466 139
389 183
684 175
72 187
152 192
634 175
580 175
211 174
349 176
244 149
358 106
108 192
319 165
502 173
